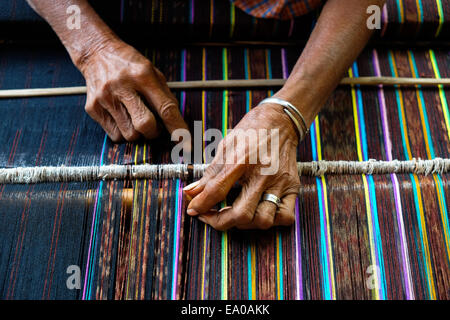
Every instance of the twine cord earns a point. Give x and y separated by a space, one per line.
26 175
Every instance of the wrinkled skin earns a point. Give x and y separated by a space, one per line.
125 92
247 211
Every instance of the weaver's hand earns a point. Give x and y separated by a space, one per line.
125 91
275 173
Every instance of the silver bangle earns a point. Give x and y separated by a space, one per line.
300 131
290 106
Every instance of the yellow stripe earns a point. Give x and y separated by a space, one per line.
441 92
441 17
233 19
135 206
250 96
375 293
202 294
441 209
419 13
425 240
355 118
366 188
327 215
319 147
419 193
224 129
402 12
225 266
253 253
203 100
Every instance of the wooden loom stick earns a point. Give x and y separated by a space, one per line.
241 83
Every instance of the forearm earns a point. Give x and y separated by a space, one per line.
336 41
92 35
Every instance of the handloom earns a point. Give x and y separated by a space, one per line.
366 235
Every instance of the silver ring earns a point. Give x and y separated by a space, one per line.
272 198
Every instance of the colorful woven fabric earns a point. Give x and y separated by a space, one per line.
174 22
288 9
360 237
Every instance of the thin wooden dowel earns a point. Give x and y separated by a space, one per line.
242 83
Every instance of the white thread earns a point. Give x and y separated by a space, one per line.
21 175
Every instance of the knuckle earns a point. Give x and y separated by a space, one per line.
216 189
89 108
286 218
131 135
142 123
115 136
264 223
168 111
106 87
220 227
289 181
142 70
244 217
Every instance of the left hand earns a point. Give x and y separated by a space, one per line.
232 164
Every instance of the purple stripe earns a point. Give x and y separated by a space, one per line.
291 28
384 19
297 211
284 63
398 205
298 252
177 236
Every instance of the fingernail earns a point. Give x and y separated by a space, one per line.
191 186
225 208
192 212
187 197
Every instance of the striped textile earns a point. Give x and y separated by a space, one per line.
159 21
355 237
277 9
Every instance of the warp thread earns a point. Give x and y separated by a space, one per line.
27 175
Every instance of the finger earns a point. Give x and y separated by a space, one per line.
121 117
142 118
191 190
214 189
241 213
100 115
264 214
163 102
285 215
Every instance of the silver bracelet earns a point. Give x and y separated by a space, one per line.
290 106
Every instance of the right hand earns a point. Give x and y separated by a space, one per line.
118 78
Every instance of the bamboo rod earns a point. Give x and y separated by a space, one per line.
241 83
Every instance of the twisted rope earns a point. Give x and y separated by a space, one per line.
25 175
